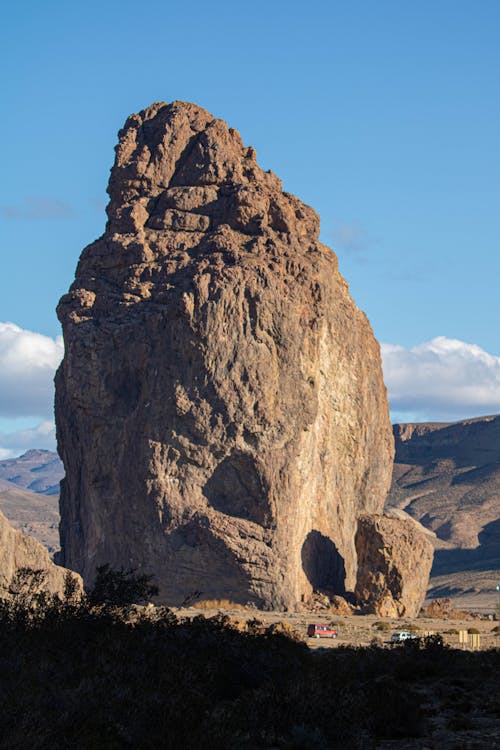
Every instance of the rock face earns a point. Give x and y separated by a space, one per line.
20 551
221 412
394 562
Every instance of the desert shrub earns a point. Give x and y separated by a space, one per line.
451 631
382 625
205 604
496 629
255 626
121 587
473 631
284 628
80 676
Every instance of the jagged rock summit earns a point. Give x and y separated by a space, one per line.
221 411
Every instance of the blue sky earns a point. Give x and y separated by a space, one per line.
384 116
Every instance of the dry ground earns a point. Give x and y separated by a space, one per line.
356 630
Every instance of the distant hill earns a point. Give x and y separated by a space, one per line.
36 470
447 476
29 494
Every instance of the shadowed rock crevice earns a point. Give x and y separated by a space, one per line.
323 564
237 488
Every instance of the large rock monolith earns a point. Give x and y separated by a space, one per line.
221 411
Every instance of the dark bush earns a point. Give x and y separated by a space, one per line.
74 675
121 587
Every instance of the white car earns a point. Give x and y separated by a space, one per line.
402 635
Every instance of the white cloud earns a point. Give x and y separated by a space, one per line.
15 443
441 380
28 362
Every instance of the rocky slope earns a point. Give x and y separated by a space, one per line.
19 551
447 476
220 409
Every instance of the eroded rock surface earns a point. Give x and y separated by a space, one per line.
221 412
394 563
21 551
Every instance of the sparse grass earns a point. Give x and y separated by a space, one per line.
382 625
223 604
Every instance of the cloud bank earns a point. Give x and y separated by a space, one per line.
15 443
441 380
28 363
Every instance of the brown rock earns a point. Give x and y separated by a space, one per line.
221 412
442 609
394 562
20 551
340 606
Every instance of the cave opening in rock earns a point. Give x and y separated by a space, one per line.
237 488
322 563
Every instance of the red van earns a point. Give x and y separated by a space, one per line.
316 630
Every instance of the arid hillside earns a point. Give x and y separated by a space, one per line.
36 470
32 513
447 476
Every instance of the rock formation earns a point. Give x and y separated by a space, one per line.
220 409
20 551
394 562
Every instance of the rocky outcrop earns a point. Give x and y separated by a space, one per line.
220 409
19 551
394 562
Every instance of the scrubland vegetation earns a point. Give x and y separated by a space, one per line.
94 673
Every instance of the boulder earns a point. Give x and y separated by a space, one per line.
221 412
394 563
19 551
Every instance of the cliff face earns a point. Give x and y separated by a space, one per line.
220 409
